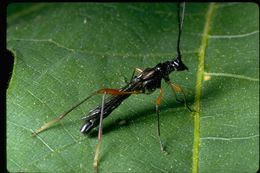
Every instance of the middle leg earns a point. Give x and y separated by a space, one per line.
157 103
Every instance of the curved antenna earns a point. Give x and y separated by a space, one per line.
180 23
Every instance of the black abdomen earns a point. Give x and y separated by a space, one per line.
93 118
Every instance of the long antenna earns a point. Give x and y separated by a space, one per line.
180 22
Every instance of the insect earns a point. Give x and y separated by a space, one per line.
142 82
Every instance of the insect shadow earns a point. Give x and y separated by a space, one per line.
134 117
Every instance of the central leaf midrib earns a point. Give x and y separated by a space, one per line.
198 88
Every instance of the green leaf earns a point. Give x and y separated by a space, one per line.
64 52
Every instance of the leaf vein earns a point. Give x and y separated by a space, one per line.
228 139
231 75
234 36
198 89
21 126
158 168
123 54
40 100
38 137
67 131
15 163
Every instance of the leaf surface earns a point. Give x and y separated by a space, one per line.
64 52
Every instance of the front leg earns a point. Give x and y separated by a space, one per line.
176 88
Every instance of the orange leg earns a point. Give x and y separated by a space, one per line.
101 91
100 127
157 103
48 124
104 92
176 88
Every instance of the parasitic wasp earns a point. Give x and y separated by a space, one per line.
142 82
